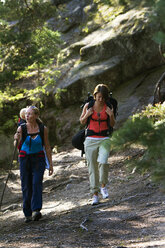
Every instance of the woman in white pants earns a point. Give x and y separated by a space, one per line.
99 119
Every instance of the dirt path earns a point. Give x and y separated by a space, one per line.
133 216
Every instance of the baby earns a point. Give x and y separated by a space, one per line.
21 119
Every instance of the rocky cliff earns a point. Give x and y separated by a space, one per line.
108 44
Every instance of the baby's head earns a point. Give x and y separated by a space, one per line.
22 113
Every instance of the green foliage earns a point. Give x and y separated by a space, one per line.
28 47
159 9
112 2
132 132
159 37
146 129
58 93
158 18
36 11
9 102
10 96
126 3
25 39
45 43
8 124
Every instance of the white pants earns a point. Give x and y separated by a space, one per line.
97 153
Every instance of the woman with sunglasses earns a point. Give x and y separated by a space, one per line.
32 162
99 119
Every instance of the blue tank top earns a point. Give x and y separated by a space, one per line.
32 145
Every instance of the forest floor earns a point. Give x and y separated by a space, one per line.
133 216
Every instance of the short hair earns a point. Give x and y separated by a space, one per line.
22 113
103 89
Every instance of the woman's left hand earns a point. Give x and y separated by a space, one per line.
109 111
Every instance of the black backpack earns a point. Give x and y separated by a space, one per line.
79 138
111 103
25 134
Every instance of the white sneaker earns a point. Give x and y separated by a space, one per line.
95 200
104 192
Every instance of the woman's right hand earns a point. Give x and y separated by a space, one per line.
89 112
85 114
17 136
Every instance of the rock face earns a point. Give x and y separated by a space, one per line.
6 150
117 49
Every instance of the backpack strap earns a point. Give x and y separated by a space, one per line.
113 102
110 129
41 127
25 134
90 105
108 103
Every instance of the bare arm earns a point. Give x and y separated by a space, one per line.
18 136
85 114
48 150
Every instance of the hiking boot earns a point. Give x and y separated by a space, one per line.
37 215
28 219
95 200
104 192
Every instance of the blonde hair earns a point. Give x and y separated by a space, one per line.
36 112
22 113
